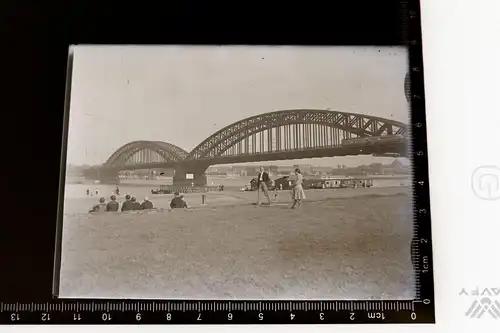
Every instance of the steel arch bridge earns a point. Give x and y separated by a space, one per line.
292 130
279 135
145 152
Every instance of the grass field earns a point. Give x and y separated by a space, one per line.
355 247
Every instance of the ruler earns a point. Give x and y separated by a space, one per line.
216 312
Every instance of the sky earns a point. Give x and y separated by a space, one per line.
183 94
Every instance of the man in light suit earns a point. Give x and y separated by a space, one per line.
262 181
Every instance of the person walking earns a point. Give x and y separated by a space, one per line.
262 181
297 190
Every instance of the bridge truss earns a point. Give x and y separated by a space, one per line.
289 131
145 152
292 130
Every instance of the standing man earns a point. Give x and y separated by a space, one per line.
262 181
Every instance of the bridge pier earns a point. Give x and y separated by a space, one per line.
189 174
108 176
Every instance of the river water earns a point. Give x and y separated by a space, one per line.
141 188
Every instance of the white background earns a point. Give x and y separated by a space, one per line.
462 69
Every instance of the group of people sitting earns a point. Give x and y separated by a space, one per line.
131 203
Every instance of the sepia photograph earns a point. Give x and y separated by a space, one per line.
238 173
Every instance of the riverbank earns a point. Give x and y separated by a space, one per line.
222 180
162 201
354 246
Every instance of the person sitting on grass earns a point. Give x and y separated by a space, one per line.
177 202
100 207
127 204
112 206
146 204
185 202
135 204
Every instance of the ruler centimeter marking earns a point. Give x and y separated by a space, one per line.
153 306
179 312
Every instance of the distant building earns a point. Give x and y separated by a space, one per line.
321 170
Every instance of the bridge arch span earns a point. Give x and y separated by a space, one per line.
166 151
357 125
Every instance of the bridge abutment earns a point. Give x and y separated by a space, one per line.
190 174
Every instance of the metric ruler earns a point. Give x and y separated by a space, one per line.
216 312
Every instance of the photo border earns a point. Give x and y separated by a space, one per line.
418 134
